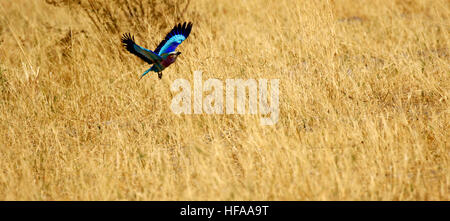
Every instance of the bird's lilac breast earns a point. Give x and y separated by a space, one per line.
168 61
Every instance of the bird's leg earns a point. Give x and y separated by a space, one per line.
159 75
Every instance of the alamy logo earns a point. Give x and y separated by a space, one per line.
213 102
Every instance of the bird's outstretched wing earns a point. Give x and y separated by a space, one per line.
143 53
178 34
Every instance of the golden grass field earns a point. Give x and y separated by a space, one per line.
364 101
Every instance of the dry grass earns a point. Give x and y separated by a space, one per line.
364 101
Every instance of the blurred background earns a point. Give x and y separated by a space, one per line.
364 110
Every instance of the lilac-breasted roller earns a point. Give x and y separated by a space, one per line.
165 54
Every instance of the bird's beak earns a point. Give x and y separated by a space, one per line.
178 53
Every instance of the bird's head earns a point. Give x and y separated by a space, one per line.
171 55
174 54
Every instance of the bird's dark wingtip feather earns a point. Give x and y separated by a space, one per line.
127 38
188 29
128 42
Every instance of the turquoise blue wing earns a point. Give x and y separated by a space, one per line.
178 34
143 53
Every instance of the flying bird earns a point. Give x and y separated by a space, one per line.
165 54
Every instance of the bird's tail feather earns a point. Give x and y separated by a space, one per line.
145 73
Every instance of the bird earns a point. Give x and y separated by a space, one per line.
164 55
